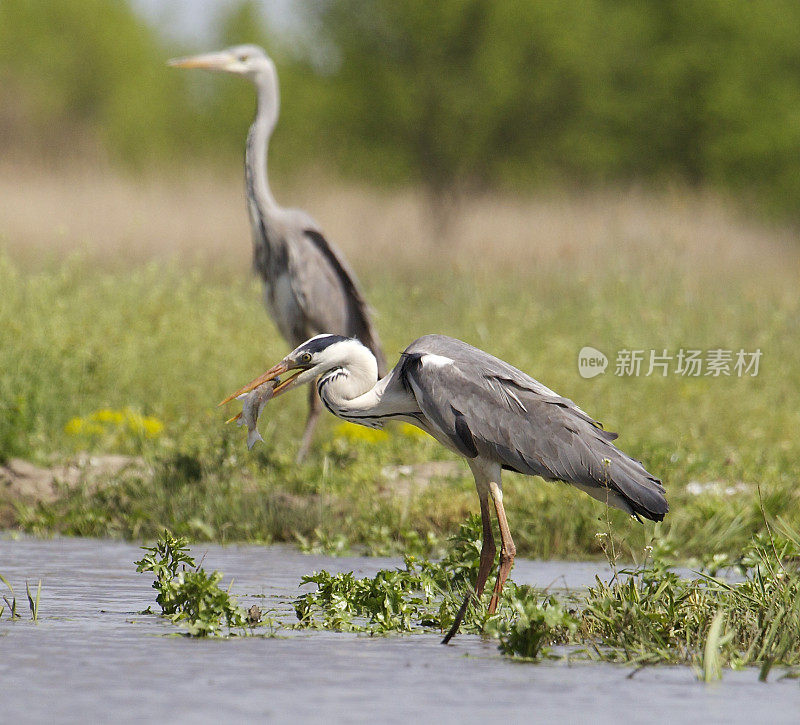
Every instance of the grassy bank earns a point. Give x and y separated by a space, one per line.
116 354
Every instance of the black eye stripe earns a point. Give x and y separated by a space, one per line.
321 343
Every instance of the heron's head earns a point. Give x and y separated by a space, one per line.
314 358
244 60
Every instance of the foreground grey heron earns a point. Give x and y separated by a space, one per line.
308 286
476 405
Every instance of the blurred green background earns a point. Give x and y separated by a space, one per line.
531 177
455 94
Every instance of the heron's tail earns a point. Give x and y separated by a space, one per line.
641 492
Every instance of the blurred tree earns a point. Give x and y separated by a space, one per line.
84 71
467 93
232 102
452 94
412 98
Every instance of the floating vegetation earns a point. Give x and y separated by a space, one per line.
188 595
423 596
646 615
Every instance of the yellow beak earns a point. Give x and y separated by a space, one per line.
209 61
271 374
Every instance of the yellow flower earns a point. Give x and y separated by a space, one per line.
105 415
83 427
360 433
93 429
107 421
412 431
143 425
152 427
74 426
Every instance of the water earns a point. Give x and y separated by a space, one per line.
91 658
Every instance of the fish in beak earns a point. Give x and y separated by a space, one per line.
273 374
252 405
257 393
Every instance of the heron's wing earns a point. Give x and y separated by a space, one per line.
486 407
318 276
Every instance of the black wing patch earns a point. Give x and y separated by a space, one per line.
364 330
464 435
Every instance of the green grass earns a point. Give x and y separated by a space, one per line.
164 344
651 615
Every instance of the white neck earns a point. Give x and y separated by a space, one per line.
258 138
355 377
352 390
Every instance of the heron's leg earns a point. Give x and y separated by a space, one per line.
488 550
507 548
314 409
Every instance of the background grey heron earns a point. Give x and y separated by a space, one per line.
475 404
308 286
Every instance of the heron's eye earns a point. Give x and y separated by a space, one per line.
243 57
305 357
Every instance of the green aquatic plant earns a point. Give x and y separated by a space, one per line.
645 615
652 615
422 596
535 623
712 667
187 594
33 602
12 605
391 601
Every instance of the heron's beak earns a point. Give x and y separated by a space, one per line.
271 374
209 61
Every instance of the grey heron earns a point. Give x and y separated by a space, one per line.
482 408
308 286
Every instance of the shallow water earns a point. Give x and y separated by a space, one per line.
91 658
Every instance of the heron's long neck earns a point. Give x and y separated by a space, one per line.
352 387
353 392
258 143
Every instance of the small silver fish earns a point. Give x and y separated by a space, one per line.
252 405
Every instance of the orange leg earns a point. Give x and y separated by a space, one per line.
507 548
488 551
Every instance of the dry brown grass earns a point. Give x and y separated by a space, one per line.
199 216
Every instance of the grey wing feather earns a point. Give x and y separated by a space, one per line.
487 407
318 274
